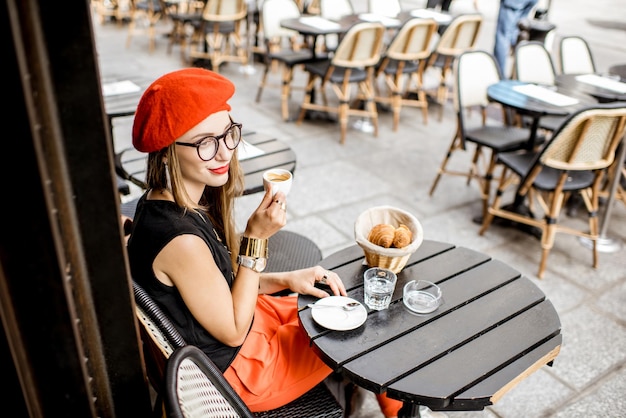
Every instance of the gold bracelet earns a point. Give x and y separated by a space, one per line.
253 247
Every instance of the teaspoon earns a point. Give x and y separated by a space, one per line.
346 307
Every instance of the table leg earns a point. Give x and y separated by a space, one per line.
409 410
532 140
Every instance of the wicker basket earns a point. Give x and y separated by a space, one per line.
393 259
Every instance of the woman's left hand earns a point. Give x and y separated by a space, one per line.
303 282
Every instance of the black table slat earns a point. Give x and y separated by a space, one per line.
479 358
398 321
489 390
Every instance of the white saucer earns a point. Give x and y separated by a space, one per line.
337 318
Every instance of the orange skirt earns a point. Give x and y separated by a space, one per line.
275 364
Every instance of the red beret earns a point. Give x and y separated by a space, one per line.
175 103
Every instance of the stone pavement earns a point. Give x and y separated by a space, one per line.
333 183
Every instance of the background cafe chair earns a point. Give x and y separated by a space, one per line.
402 67
283 47
334 10
460 36
533 63
389 8
144 16
217 38
575 56
352 63
574 161
185 16
474 71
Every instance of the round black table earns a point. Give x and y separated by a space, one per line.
504 92
494 328
619 70
572 82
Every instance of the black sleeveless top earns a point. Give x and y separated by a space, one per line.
156 223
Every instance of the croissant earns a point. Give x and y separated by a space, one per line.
402 236
382 234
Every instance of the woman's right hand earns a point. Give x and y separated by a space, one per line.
269 217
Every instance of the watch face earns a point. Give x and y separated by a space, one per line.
256 264
260 264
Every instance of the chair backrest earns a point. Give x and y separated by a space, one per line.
225 10
460 35
335 9
272 12
575 56
389 8
587 140
474 71
361 46
159 336
196 388
533 63
413 40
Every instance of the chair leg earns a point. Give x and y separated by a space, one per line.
310 85
262 83
286 91
454 145
488 215
343 119
396 107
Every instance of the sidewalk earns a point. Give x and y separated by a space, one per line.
333 183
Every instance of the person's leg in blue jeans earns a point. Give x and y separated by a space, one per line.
509 14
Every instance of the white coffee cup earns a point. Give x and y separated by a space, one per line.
278 179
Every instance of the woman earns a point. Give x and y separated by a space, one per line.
185 251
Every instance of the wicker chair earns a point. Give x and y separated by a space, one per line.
282 48
460 36
485 133
574 161
402 67
161 339
352 64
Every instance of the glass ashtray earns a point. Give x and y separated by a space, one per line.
421 296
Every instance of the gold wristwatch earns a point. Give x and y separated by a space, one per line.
253 254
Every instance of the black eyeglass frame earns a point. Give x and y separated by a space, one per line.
216 140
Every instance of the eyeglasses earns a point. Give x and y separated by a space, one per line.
208 146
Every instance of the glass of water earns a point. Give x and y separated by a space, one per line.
379 284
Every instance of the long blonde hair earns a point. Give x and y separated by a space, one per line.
218 203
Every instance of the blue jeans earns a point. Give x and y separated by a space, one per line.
509 14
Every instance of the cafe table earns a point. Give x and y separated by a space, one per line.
312 27
604 89
536 101
258 152
121 95
494 329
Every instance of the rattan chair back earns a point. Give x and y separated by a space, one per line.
533 64
575 56
196 388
